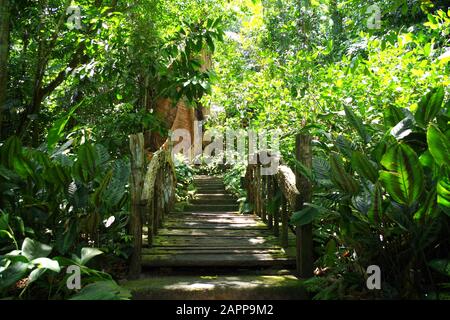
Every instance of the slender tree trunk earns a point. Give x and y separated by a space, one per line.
5 12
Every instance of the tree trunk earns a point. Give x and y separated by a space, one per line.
5 12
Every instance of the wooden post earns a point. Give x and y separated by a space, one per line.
136 185
262 195
304 239
276 210
156 206
258 190
270 198
150 213
284 222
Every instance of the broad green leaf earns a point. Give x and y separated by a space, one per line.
87 254
4 221
13 273
427 160
403 179
66 239
392 116
362 164
443 193
103 290
56 132
345 147
429 106
441 265
376 209
341 178
305 216
33 249
428 208
357 123
439 145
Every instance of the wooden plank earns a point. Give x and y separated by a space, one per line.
212 232
213 241
212 219
218 250
219 214
203 225
214 260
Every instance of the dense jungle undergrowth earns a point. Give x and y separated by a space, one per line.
368 80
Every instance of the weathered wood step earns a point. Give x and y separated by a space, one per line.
211 219
214 196
187 241
216 201
214 260
211 207
212 232
213 250
199 225
208 182
216 214
212 191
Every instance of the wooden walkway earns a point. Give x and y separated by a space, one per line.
211 233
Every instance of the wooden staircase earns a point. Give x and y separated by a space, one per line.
209 251
210 232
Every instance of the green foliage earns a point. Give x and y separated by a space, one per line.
103 290
374 101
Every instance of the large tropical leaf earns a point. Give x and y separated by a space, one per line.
365 168
308 214
429 106
439 145
56 132
103 290
376 208
357 123
341 178
12 274
404 177
33 249
443 193
392 116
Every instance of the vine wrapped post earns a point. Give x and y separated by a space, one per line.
136 185
304 239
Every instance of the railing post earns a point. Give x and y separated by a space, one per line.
150 213
284 222
136 185
270 198
276 208
304 239
258 190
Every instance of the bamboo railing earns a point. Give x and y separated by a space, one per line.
152 190
276 197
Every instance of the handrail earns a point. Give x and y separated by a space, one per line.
152 188
276 197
